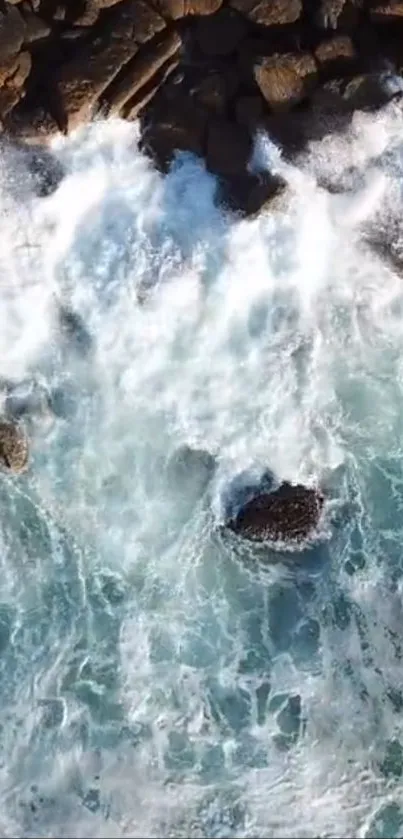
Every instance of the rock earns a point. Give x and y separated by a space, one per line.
11 90
249 110
83 79
89 14
12 32
221 33
248 194
138 102
387 12
213 92
269 12
35 27
170 9
202 7
33 123
368 91
335 55
171 125
329 13
285 80
175 9
290 513
229 147
141 69
14 448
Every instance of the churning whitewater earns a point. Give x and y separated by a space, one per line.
159 678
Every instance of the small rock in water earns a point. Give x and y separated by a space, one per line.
14 447
291 512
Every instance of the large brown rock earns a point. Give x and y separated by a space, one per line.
83 79
221 33
202 7
14 448
170 9
175 9
285 80
13 87
142 68
269 12
146 93
291 513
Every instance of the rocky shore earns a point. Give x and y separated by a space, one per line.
202 75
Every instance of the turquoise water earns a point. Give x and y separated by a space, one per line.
158 677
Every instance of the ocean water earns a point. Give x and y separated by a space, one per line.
157 677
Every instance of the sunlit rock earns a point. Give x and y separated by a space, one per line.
14 447
289 513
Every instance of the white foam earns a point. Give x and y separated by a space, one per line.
270 343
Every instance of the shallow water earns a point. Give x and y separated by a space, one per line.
157 677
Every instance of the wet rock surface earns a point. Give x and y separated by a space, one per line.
14 447
289 513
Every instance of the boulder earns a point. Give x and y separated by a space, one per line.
387 12
221 33
12 32
229 147
290 513
285 80
35 27
330 12
202 7
269 12
12 88
145 94
171 125
247 194
31 123
213 92
175 9
249 110
335 55
14 447
141 69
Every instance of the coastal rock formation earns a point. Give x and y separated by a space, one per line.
202 75
14 447
289 513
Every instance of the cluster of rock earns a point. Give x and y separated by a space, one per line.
202 75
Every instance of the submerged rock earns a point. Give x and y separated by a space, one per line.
14 447
291 512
